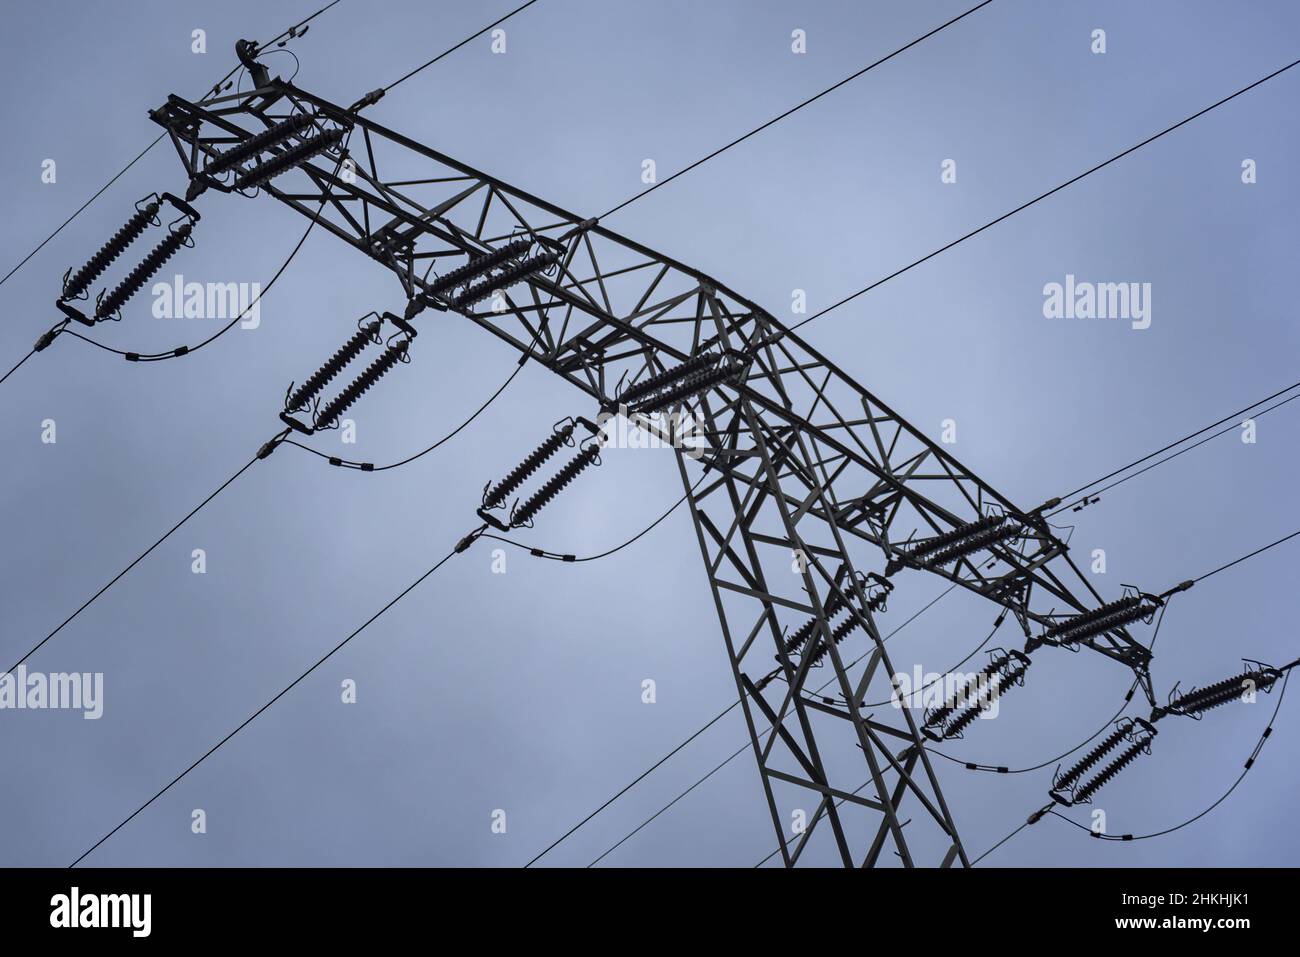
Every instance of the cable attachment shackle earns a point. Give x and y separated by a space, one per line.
1005 670
76 285
109 304
299 399
394 354
561 436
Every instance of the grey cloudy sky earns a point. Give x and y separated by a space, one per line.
522 691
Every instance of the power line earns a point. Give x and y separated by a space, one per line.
249 720
294 30
794 109
450 50
142 556
635 781
17 366
636 830
1092 496
1043 196
1238 561
1177 442
1000 843
82 208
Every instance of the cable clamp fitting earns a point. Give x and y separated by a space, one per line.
470 539
51 334
371 98
271 444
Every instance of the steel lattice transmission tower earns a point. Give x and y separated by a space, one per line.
809 495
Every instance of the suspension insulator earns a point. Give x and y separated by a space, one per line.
361 384
833 605
693 384
478 266
1222 692
95 266
542 497
975 543
332 367
1108 617
922 549
519 474
257 143
705 360
996 684
1084 764
994 690
1104 776
109 304
939 715
506 278
294 156
840 632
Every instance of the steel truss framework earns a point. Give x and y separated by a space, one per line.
810 480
